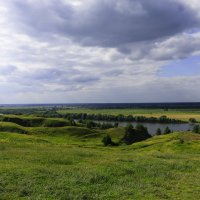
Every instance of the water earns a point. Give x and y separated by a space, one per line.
152 127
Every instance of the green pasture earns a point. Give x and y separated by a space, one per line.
71 163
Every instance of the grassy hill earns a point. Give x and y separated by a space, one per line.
30 121
71 163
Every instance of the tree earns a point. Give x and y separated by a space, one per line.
91 124
107 140
106 126
116 124
129 128
158 132
142 129
192 120
72 122
167 130
163 119
137 134
196 129
129 136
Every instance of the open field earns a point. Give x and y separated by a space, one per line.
181 114
47 158
71 163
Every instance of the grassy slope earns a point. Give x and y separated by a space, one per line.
34 121
71 163
182 114
67 134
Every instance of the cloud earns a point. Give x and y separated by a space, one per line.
85 79
104 23
178 47
7 70
96 51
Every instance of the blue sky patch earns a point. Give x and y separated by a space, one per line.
185 67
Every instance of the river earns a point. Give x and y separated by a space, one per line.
152 127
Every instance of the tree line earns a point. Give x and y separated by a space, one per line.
120 118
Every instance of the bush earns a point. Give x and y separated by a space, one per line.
196 129
106 126
192 120
90 124
116 124
72 122
107 141
158 132
167 130
181 140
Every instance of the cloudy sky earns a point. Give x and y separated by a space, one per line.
62 51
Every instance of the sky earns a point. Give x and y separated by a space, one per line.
99 51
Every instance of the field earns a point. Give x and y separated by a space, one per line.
181 114
71 163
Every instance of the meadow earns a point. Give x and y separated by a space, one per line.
70 162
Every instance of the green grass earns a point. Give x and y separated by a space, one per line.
116 133
71 163
68 134
30 121
181 114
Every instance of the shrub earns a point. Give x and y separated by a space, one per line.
158 132
72 122
167 130
192 120
106 126
196 129
181 140
90 124
116 124
107 140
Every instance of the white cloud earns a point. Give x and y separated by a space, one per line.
50 65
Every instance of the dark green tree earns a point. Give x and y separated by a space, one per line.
192 120
72 122
107 140
196 129
137 134
129 128
158 131
142 129
116 124
167 130
90 124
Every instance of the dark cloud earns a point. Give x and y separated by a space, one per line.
179 47
46 74
85 79
113 72
105 23
62 77
101 51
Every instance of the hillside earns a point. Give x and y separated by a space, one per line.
73 164
31 121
